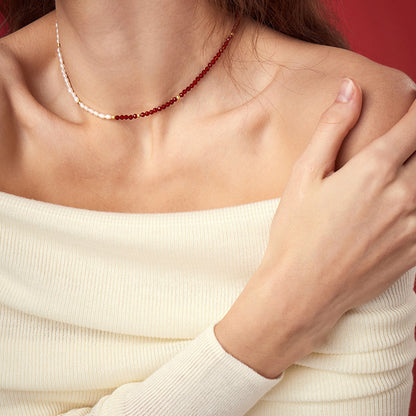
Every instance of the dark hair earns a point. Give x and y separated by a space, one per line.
309 20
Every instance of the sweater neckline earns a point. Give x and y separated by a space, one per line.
12 202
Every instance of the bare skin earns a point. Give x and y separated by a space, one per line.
218 147
221 147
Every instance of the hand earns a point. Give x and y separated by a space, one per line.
337 240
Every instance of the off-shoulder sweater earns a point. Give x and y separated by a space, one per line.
106 313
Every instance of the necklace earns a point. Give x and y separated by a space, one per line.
154 110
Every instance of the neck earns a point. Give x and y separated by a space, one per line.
130 56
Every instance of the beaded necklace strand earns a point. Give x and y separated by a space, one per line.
155 109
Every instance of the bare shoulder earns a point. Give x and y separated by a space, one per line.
13 99
8 69
312 77
387 95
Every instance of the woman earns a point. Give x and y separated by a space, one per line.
210 257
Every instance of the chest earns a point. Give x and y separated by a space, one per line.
198 167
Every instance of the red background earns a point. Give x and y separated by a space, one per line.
384 31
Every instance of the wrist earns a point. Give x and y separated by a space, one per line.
243 347
266 329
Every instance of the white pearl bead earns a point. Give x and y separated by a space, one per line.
68 83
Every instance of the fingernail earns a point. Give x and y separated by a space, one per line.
346 91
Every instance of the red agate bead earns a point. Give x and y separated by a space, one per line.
189 87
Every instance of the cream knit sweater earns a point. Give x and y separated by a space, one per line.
105 313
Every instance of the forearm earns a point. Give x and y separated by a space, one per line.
201 380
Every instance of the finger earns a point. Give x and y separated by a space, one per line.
407 175
400 141
333 127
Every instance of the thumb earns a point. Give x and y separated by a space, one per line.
333 127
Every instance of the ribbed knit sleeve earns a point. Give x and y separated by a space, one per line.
202 380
